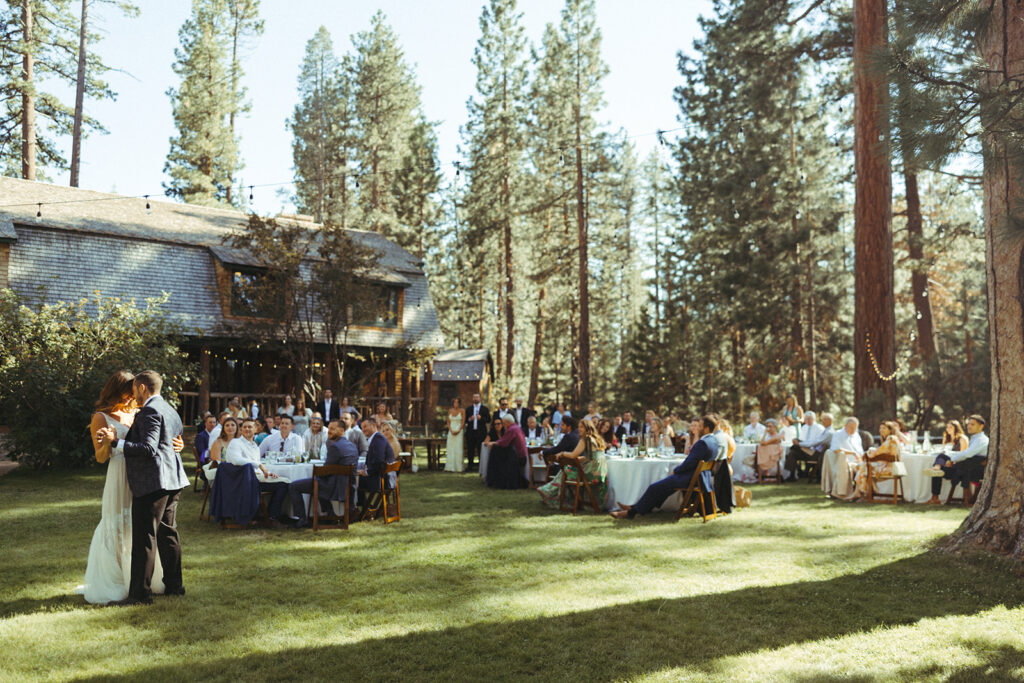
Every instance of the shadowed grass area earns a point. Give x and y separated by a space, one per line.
476 584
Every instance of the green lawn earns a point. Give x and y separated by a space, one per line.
488 585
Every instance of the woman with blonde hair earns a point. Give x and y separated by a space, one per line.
889 432
590 451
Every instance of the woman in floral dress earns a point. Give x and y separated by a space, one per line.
590 450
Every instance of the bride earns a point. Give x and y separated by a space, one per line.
108 572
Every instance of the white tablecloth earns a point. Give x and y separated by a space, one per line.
747 473
917 488
629 478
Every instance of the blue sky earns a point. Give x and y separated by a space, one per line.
640 42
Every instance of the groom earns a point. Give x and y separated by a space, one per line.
156 478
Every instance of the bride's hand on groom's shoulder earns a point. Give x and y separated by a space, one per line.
179 445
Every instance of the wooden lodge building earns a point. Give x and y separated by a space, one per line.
65 244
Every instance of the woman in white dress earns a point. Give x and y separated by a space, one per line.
108 571
453 461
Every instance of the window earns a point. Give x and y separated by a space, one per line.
253 294
381 307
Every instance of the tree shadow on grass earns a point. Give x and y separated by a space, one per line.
634 639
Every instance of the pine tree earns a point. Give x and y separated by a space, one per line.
417 184
242 24
204 154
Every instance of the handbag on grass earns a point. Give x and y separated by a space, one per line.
742 497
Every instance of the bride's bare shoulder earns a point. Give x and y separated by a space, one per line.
98 421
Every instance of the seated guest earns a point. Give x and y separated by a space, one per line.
590 449
724 433
657 493
570 437
244 451
314 441
340 451
284 441
648 416
508 457
769 450
753 432
202 441
628 427
288 408
592 413
534 431
228 432
277 423
965 465
389 433
261 431
220 425
819 449
378 454
890 445
839 466
656 434
606 430
546 425
382 414
559 413
617 422
802 449
236 410
788 429
902 434
354 434
346 407
301 416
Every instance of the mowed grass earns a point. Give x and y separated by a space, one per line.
476 584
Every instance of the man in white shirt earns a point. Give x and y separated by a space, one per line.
284 441
502 409
802 449
963 467
627 428
754 431
533 430
522 414
839 466
244 451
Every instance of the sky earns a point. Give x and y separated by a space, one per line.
641 39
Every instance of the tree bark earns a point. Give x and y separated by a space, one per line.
538 347
28 98
874 316
919 273
76 135
581 237
996 521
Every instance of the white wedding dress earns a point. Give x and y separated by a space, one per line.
453 461
108 573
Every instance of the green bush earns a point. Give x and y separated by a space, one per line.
54 360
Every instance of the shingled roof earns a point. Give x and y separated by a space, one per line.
86 241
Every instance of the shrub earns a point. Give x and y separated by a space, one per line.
55 359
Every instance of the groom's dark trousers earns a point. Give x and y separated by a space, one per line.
154 530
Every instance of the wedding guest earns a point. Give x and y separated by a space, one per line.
617 422
769 450
228 432
534 431
203 437
277 423
648 416
628 427
455 437
953 437
754 430
592 413
220 425
522 414
890 445
382 414
502 409
657 493
378 454
389 433
244 451
792 410
254 410
902 434
570 437
302 416
965 465
346 407
284 441
546 425
724 433
559 413
802 448
589 447
477 418
328 407
606 430
288 408
839 466
354 434
656 434
508 456
314 441
261 431
338 451
236 410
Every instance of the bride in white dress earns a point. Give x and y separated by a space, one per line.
108 572
453 461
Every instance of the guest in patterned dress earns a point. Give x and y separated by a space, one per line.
891 445
590 449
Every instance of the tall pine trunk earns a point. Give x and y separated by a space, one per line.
919 273
538 347
76 135
28 99
583 368
874 316
996 521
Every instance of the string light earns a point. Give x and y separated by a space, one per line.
147 202
874 362
39 210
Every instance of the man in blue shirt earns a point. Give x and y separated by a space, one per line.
706 449
962 467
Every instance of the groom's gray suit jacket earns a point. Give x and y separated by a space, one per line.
149 458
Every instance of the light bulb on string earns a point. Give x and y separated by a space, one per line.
250 192
147 203
39 210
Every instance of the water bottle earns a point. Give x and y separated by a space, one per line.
926 444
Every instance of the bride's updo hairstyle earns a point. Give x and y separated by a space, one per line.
114 392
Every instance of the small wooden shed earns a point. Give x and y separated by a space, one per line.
462 373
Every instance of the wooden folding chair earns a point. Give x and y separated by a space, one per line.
761 475
534 468
693 495
970 489
392 510
314 500
897 481
206 496
201 459
581 487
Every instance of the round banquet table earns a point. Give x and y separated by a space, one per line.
743 469
628 478
917 488
288 472
485 455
